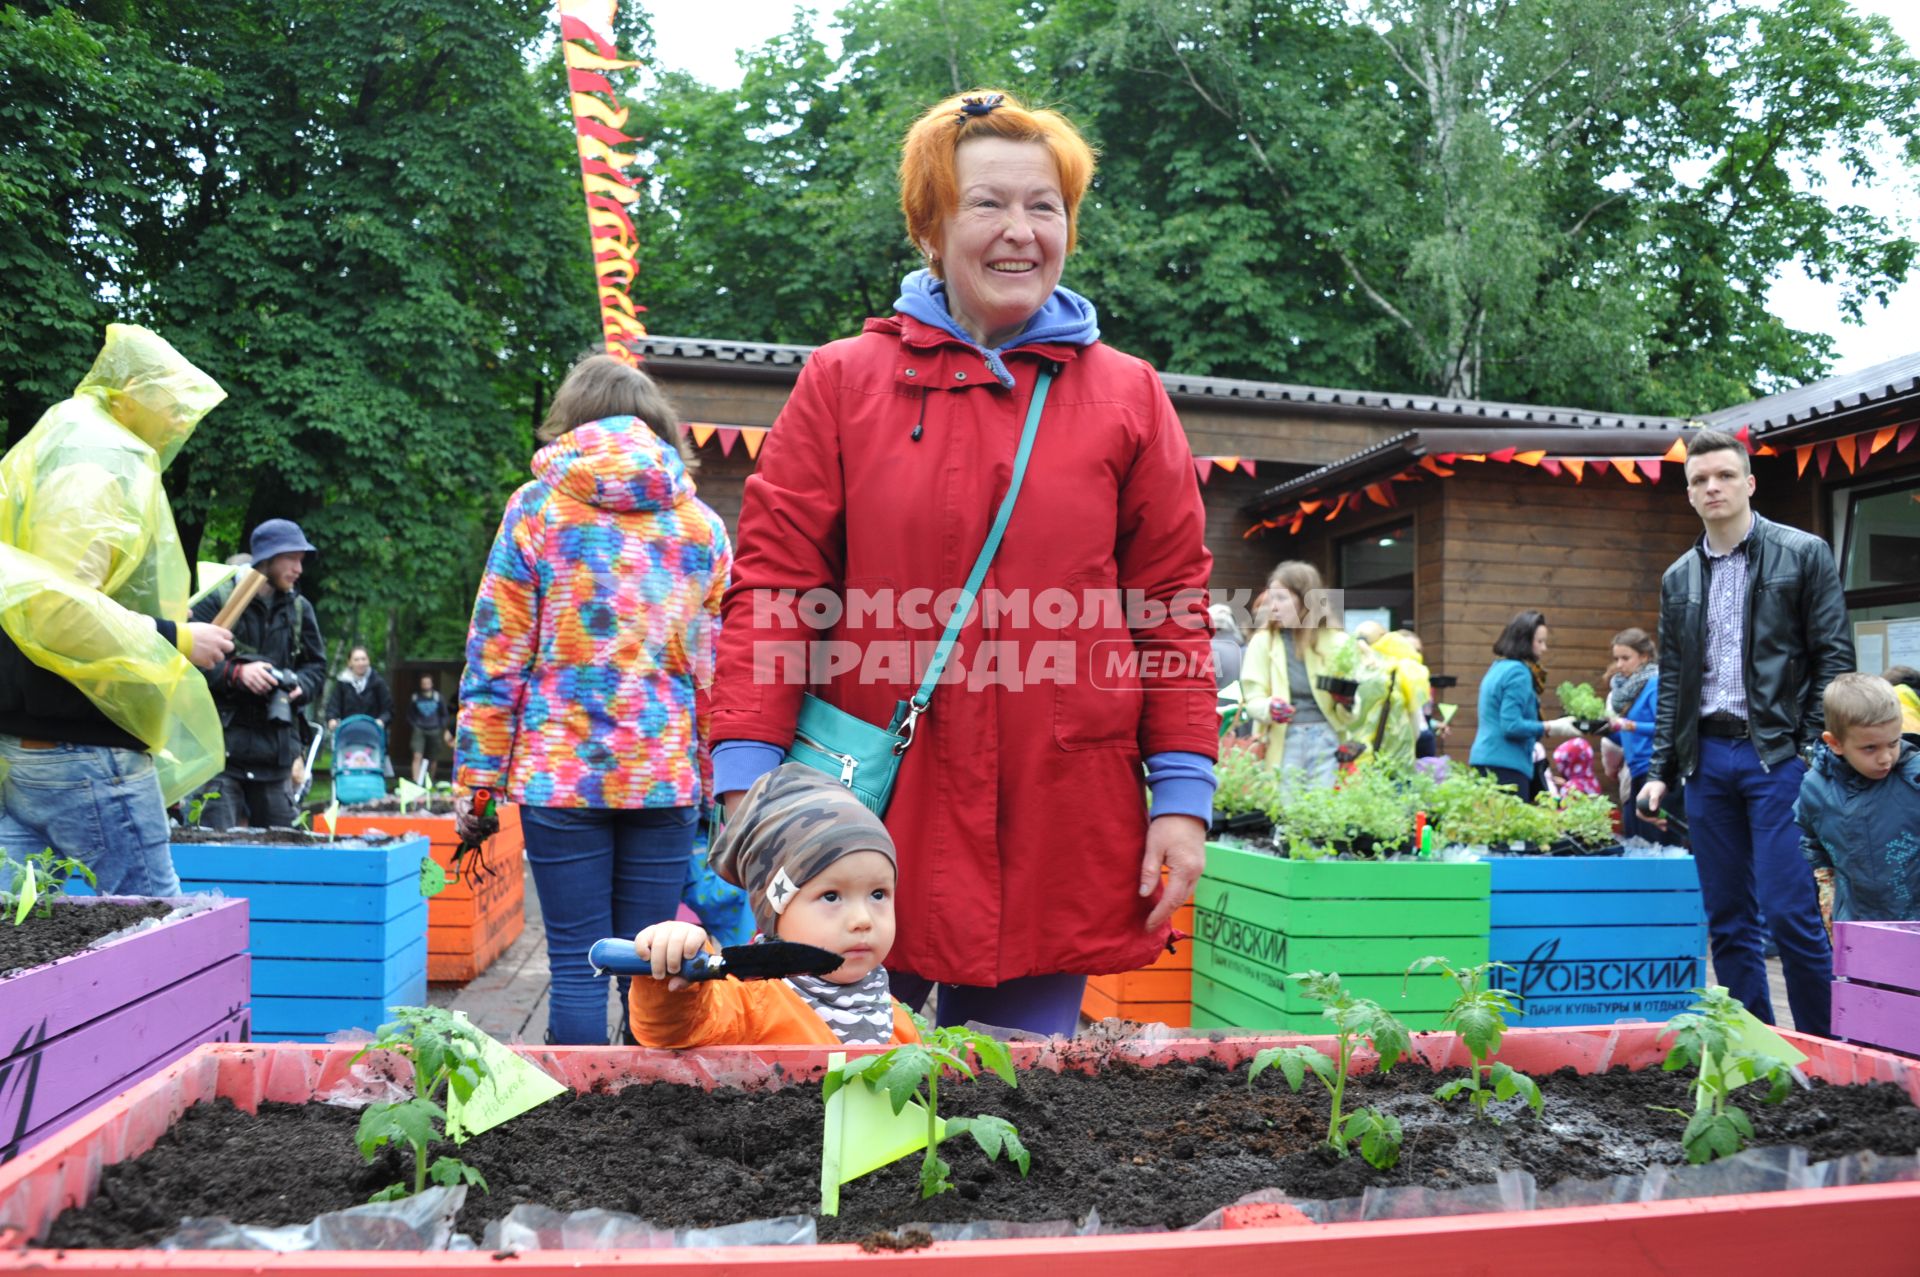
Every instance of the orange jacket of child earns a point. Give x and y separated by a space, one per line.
735 1013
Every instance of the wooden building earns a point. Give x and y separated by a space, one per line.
1449 515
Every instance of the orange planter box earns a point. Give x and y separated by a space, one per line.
1161 993
468 924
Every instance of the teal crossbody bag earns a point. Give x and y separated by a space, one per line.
866 758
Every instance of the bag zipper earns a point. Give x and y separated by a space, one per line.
846 761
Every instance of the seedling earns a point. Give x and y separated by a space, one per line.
38 882
1581 701
1708 1039
1479 1016
911 1073
447 1054
198 805
1354 1019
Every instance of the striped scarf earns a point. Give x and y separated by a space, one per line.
859 1014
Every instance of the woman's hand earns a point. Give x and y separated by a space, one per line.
667 945
472 825
1280 710
1180 844
1562 726
1622 725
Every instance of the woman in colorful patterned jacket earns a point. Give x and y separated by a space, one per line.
588 660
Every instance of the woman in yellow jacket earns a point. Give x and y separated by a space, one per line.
1298 631
1906 689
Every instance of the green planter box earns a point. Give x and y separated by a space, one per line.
1257 917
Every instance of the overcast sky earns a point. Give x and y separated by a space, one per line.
688 37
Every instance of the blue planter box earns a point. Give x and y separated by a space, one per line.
338 930
1595 939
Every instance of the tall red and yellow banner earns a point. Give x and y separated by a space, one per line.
586 41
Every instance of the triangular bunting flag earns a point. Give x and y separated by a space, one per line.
1766 450
729 435
1448 458
754 436
1845 448
1823 454
1503 456
1578 467
1434 465
1381 494
1530 458
1550 466
1298 519
1881 438
1203 466
1248 467
1625 467
1744 435
1801 456
1338 506
1308 507
1227 463
1906 436
1677 453
702 432
1649 468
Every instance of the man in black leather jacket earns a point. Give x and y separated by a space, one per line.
1753 626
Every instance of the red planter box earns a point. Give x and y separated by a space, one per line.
468 925
82 1029
1876 992
1857 1230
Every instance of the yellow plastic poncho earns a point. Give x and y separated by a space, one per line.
89 553
1410 691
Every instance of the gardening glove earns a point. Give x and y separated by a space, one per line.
1561 727
471 825
1280 710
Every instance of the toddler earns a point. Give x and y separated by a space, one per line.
819 869
1573 762
1859 807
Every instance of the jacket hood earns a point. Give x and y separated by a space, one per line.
1835 770
1067 319
617 463
150 388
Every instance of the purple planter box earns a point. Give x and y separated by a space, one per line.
83 1028
1876 990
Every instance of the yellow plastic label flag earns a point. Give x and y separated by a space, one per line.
208 577
1447 712
512 1087
862 1133
1759 1038
332 816
407 793
29 892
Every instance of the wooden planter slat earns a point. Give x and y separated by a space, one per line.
1869 1230
469 924
1876 991
82 1028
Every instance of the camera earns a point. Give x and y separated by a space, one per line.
279 708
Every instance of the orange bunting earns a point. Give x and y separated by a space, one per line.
1308 507
1801 456
1435 466
1338 506
1677 453
1625 467
1380 493
1530 458
587 48
1766 450
701 432
1578 467
753 436
1881 438
1845 448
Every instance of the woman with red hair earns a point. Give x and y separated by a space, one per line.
1029 855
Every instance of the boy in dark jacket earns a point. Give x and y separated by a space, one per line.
1859 808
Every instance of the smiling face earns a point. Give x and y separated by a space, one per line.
1870 750
1002 249
1719 487
846 908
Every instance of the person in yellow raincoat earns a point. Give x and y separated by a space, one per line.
103 717
1388 708
1298 635
1906 690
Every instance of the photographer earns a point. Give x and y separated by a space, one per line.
277 667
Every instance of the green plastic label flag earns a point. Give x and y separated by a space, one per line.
1757 1037
512 1086
862 1133
208 577
408 793
29 892
433 879
1447 712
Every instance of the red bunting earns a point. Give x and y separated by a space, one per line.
1503 456
588 82
1651 469
1551 466
729 435
1743 434
1823 455
1906 436
1248 467
1203 466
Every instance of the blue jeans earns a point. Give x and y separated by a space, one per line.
94 804
1035 1003
600 872
1746 847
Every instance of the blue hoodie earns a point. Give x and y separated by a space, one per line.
1867 832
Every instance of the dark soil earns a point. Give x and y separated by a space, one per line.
274 838
1148 1147
72 927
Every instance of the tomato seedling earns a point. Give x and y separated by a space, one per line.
1354 1020
905 1071
1479 1016
38 882
446 1053
1707 1039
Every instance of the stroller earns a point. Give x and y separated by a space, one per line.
359 753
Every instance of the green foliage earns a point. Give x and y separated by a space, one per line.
1373 804
1581 701
1586 819
1479 1016
38 882
197 805
1706 1039
1244 784
1354 1020
911 1073
447 1057
1345 660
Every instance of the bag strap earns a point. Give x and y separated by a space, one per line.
918 705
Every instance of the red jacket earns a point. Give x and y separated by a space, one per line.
1020 816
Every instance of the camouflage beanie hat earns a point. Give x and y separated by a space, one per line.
791 825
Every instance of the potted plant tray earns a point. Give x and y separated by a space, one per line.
338 926
475 919
1258 918
1861 1229
1594 939
1876 990
83 1028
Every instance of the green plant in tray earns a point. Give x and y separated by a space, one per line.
911 1073
1479 1016
1354 1020
448 1056
1707 1039
1580 701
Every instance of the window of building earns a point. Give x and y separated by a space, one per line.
1376 574
1880 570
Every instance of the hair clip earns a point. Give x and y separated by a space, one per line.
971 107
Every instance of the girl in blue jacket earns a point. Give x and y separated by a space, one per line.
1510 725
1635 700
